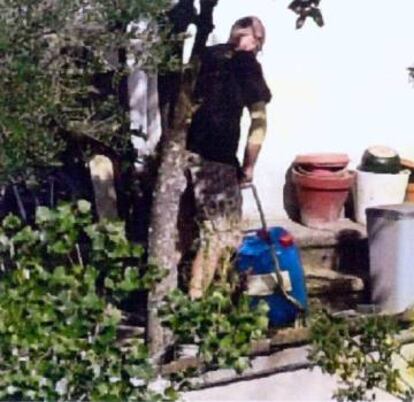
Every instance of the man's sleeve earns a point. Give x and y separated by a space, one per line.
258 125
249 75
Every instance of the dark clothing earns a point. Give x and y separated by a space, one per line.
228 81
211 204
216 192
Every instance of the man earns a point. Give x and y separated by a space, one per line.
230 79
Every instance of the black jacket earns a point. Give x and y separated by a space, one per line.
228 81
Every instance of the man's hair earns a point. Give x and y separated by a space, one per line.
248 22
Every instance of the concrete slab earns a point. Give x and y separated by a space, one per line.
329 234
302 385
293 358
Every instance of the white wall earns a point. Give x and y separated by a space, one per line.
339 88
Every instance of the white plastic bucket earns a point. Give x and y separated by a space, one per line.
374 189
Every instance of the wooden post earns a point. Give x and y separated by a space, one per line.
103 180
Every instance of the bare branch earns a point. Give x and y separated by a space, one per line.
205 26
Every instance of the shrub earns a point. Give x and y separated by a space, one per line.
361 353
60 288
62 69
222 328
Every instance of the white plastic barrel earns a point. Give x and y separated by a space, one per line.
372 189
391 252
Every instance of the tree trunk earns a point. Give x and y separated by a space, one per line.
171 182
163 235
163 238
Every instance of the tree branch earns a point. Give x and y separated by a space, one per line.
205 26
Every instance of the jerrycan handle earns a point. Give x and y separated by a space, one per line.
258 203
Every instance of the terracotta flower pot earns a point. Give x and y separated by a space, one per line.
317 171
409 195
322 161
322 164
408 164
321 198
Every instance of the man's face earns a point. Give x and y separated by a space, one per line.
248 40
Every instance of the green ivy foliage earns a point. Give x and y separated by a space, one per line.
61 284
62 64
360 354
221 327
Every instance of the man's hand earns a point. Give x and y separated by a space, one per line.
250 157
247 176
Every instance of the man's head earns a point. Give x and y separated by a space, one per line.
248 34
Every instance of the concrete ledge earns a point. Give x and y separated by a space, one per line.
285 338
282 361
324 281
286 360
327 235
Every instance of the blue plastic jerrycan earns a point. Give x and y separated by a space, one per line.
255 257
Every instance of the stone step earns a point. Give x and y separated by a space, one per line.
341 246
335 261
323 281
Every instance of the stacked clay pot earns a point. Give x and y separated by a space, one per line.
322 184
409 164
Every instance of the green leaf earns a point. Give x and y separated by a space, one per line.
44 215
92 301
241 337
137 250
262 322
11 222
59 274
226 343
84 206
60 247
112 316
109 283
102 389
